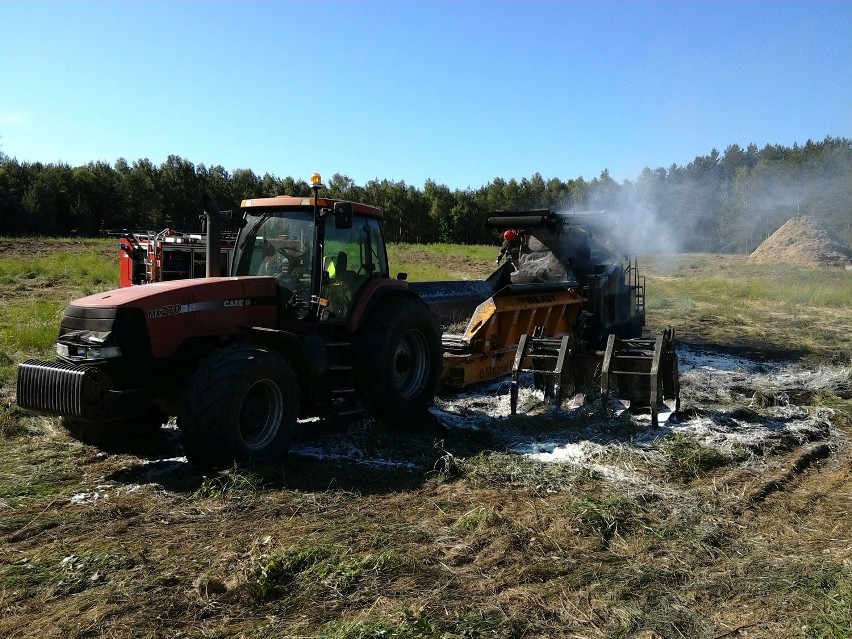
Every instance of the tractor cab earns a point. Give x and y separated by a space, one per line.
321 253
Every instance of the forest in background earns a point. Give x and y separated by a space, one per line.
720 202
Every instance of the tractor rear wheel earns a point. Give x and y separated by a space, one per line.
399 361
240 405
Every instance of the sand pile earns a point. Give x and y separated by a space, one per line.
803 241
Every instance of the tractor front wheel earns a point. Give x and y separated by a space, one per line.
240 405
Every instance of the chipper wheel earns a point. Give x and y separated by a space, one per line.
398 361
240 405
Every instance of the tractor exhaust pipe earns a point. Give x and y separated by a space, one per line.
214 235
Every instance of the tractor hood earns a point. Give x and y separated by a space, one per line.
171 312
151 295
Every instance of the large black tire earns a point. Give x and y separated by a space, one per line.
398 359
240 405
114 432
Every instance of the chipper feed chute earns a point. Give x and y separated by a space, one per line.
487 348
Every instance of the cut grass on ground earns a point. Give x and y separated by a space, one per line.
466 539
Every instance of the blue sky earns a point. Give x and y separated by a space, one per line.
457 92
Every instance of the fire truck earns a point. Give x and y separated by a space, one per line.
161 256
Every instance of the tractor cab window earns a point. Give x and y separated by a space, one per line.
350 258
279 243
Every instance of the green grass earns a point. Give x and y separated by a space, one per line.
832 603
478 252
729 280
608 515
311 571
687 459
37 282
82 263
233 483
34 470
64 575
436 262
418 626
517 472
477 518
30 325
843 407
725 300
39 287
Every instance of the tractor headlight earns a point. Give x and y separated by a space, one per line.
70 351
102 352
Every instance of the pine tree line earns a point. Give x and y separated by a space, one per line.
728 202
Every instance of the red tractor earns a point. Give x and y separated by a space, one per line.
309 323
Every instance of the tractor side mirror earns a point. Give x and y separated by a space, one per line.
343 215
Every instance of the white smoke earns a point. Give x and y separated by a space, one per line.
700 209
635 221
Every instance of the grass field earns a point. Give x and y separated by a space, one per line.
778 308
448 532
